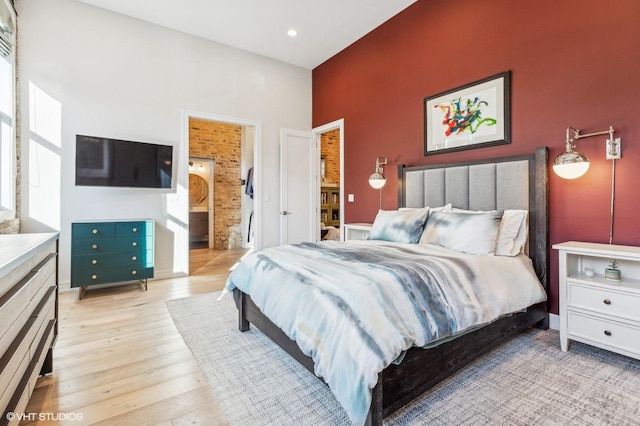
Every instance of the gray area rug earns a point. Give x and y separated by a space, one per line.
527 381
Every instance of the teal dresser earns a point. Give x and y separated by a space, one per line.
110 252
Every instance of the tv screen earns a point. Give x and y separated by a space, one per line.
114 162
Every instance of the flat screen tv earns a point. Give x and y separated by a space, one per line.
114 162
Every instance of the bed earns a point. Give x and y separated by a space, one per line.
512 183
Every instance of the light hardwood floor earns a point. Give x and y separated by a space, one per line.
119 359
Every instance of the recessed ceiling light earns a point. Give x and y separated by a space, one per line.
292 33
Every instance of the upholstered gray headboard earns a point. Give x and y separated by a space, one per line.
519 182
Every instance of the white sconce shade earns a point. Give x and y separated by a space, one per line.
570 165
377 179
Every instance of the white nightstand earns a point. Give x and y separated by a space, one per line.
356 231
594 310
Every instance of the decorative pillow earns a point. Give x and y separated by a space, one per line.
401 226
512 232
445 208
467 233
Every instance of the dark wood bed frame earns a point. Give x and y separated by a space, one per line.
421 368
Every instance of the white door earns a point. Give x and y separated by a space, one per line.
299 186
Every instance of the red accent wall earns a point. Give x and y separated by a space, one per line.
573 63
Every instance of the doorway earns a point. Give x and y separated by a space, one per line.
330 139
233 146
201 202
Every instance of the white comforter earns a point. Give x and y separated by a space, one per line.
355 306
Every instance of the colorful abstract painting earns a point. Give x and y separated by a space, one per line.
470 116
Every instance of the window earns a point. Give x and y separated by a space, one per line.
7 111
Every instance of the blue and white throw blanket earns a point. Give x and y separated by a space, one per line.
355 307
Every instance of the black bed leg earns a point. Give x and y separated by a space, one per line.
243 323
375 412
543 324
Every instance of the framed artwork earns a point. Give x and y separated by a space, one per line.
471 116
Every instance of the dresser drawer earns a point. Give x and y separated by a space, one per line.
10 378
107 245
94 245
608 301
85 277
605 332
130 229
22 351
20 302
93 230
129 258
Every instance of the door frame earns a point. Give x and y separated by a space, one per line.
318 131
257 161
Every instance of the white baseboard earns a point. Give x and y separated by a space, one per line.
554 322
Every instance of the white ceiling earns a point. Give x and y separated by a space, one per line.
325 27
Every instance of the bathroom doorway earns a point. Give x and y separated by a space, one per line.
201 199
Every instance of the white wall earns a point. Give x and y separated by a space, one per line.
84 70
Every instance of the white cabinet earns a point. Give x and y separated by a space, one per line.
28 317
595 310
356 231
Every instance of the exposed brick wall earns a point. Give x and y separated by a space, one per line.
222 142
330 149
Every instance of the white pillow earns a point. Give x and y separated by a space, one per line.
401 226
446 208
512 232
466 233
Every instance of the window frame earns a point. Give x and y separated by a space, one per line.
8 148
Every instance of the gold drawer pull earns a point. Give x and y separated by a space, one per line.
135 229
607 301
95 231
133 272
607 333
94 277
135 244
94 246
134 257
94 262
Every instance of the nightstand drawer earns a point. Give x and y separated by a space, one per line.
608 333
604 300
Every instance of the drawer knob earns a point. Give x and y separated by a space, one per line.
607 301
94 246
607 333
94 277
134 257
134 244
135 229
95 231
94 262
133 272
